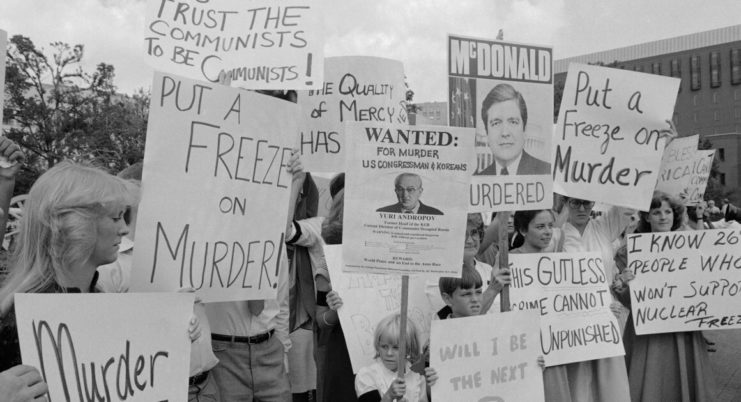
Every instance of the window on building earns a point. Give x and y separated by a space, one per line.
735 66
715 97
676 69
714 69
716 115
737 113
695 117
721 154
656 68
695 73
722 178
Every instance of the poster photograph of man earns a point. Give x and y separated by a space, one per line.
504 115
408 190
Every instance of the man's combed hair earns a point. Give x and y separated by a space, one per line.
470 279
502 93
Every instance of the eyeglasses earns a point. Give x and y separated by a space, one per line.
576 203
474 234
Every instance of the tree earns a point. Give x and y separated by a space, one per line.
714 190
58 111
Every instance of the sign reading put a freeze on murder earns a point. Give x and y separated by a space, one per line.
355 88
685 170
366 300
504 90
260 44
685 281
215 158
570 292
103 347
404 186
608 141
491 360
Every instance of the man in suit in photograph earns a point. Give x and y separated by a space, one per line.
408 189
504 113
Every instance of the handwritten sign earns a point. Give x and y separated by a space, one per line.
265 44
505 91
491 360
215 159
685 170
103 347
357 88
569 291
404 186
368 298
608 137
685 281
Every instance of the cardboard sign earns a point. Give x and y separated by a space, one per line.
505 91
367 299
215 191
685 281
357 88
102 346
685 170
262 44
608 141
404 186
3 56
487 359
570 292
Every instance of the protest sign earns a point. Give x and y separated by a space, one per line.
3 56
368 298
685 170
483 359
685 281
215 158
103 347
505 91
263 44
608 141
405 187
356 88
570 292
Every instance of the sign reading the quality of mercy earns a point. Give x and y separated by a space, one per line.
570 292
505 91
685 170
609 139
215 191
403 188
355 88
487 359
102 347
259 44
685 280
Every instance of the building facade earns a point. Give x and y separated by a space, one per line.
709 99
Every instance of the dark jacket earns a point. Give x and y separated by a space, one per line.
529 165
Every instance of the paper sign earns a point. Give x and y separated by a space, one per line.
111 347
260 44
487 359
608 141
368 298
570 292
685 170
505 91
357 88
215 191
685 281
404 186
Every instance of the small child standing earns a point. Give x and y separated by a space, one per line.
379 381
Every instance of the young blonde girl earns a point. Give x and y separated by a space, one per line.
379 381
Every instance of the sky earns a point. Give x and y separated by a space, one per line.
413 31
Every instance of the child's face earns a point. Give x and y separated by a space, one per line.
464 302
388 351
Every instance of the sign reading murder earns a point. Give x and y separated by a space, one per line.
685 170
609 138
491 360
260 44
404 186
570 292
215 159
101 347
685 281
505 91
366 300
356 88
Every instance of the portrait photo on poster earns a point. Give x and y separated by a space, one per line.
515 125
408 189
